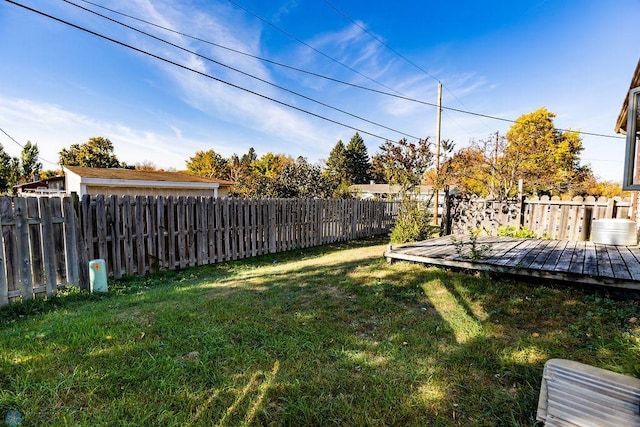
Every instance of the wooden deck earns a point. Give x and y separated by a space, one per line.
578 262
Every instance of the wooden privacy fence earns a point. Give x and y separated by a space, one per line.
46 242
137 235
570 219
40 247
551 218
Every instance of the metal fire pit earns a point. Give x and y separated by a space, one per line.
623 232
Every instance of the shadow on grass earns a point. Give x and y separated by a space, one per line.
338 341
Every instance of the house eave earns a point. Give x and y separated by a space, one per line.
621 123
148 184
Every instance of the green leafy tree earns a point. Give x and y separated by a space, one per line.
208 164
378 169
357 159
241 172
9 171
404 163
271 165
546 158
300 179
279 176
478 169
95 153
240 166
30 166
250 157
49 173
262 176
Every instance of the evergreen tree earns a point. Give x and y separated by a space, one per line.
358 163
336 170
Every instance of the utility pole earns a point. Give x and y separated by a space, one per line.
438 124
495 152
495 166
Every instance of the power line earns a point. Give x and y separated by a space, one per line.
22 146
266 21
380 92
193 70
267 60
409 61
243 72
396 94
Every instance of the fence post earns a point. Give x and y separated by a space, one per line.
521 201
445 227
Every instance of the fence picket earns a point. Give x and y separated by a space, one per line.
161 233
49 246
4 286
22 247
211 230
34 220
58 232
151 228
139 233
171 232
71 237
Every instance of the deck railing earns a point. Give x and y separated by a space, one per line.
547 217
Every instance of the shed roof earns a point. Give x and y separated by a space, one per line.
621 123
137 175
39 183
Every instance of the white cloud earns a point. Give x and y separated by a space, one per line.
52 128
215 98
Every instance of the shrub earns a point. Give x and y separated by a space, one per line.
521 232
413 223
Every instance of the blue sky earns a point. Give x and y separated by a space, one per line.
60 86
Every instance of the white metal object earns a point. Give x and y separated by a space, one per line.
614 232
98 276
574 394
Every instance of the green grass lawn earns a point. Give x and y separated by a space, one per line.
320 337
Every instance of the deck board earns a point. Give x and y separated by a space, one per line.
604 263
565 257
632 263
617 264
576 265
554 257
581 262
544 255
590 260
